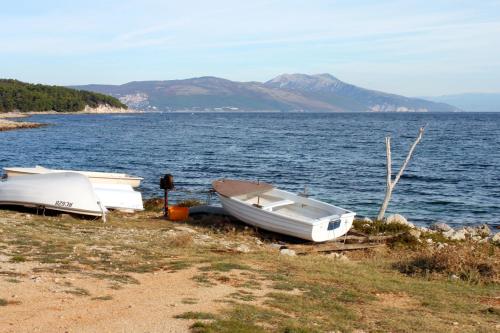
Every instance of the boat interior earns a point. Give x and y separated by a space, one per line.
292 206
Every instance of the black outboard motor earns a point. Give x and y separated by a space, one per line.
166 184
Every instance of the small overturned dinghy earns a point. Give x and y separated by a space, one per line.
64 191
266 207
119 197
94 176
113 190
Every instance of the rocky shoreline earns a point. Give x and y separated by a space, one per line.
480 234
7 125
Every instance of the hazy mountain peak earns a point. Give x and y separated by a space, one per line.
327 76
306 82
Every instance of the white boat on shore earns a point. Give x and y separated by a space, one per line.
69 192
264 206
94 176
119 197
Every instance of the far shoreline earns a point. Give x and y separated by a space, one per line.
8 125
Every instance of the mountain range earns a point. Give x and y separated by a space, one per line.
474 102
286 92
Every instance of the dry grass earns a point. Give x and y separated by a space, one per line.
311 293
102 298
182 240
4 302
72 245
474 263
154 204
189 203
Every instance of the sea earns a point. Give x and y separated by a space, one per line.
339 158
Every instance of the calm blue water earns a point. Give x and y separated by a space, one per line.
454 176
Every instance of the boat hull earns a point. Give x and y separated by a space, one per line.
119 197
319 231
94 177
66 192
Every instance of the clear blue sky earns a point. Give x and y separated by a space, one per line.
406 47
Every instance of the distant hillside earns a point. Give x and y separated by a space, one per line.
288 92
348 97
474 102
19 96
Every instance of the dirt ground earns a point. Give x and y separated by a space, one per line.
49 302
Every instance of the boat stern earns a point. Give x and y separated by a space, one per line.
333 228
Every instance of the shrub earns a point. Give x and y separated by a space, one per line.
189 203
379 227
153 204
472 263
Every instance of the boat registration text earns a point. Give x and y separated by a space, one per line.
63 204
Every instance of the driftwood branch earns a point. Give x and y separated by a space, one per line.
390 184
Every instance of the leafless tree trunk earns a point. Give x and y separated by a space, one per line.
390 184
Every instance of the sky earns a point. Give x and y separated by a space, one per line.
414 48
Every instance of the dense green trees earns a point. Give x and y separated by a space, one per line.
17 95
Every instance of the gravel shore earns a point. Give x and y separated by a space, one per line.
6 125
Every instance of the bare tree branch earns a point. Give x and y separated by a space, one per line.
408 157
389 161
390 184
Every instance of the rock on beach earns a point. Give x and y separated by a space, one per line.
398 219
440 226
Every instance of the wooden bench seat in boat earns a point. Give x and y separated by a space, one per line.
275 204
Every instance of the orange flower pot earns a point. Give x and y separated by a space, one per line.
176 213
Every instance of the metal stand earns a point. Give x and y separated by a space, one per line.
166 184
165 205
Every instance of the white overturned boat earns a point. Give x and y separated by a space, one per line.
65 191
119 197
95 177
266 207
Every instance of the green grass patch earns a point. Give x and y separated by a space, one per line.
242 319
242 295
78 292
224 267
18 259
190 300
251 284
12 280
179 265
195 315
282 285
203 280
